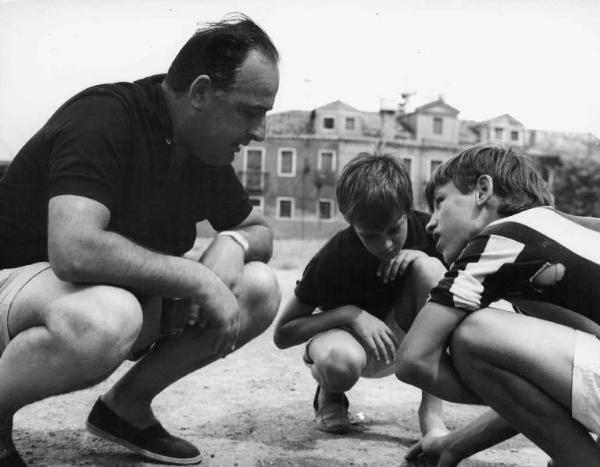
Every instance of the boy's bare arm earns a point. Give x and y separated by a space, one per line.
447 451
298 324
424 360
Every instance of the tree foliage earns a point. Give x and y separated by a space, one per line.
577 187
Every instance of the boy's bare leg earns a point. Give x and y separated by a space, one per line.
171 359
338 360
66 337
420 277
522 367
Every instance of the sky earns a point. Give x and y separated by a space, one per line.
537 60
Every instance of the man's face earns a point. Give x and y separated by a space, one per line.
454 220
385 243
229 119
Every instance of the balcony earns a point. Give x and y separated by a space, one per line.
255 181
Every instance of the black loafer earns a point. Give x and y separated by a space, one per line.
12 460
153 442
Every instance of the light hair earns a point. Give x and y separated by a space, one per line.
517 182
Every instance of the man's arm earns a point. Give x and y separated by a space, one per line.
424 360
81 249
226 257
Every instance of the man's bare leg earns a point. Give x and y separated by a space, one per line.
522 367
66 337
171 359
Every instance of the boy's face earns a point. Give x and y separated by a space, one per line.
383 243
455 220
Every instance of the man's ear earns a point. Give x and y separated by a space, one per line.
199 90
484 189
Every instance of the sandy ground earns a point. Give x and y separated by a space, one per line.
253 408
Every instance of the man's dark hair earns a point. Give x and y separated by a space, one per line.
517 182
217 50
374 190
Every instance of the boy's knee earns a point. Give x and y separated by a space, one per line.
98 326
470 338
339 369
426 270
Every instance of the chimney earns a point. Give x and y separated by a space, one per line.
387 111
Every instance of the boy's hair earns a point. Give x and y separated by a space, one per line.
516 180
374 190
218 50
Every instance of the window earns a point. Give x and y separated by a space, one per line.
285 208
350 123
532 138
498 133
438 129
258 202
286 162
325 209
253 176
514 135
326 160
433 165
328 123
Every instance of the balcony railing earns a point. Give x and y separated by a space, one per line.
255 181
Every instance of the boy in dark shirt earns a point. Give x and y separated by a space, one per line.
367 282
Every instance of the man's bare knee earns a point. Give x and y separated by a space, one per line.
262 295
98 325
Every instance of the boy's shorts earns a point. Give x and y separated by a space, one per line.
12 282
374 368
585 393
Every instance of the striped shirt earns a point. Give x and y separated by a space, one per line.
505 259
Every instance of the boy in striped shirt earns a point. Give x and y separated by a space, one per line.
539 368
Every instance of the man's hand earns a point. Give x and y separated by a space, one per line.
431 450
389 269
376 335
219 311
226 259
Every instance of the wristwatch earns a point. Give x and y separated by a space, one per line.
238 237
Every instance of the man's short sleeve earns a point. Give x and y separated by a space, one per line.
230 203
91 138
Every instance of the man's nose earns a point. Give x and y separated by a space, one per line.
259 131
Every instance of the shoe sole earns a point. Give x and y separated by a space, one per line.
338 429
138 450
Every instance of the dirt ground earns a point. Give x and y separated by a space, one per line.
253 408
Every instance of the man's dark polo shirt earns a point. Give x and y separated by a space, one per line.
113 143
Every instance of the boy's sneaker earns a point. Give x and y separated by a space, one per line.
331 411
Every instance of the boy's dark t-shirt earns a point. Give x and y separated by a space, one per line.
343 272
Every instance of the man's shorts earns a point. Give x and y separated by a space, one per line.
12 282
585 394
374 368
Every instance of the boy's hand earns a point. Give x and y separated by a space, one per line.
432 450
389 269
376 335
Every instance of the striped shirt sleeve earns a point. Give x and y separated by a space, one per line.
480 275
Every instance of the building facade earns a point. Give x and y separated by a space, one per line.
291 174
